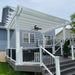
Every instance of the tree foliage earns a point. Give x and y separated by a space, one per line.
72 22
65 48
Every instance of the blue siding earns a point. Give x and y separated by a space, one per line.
38 35
12 39
3 39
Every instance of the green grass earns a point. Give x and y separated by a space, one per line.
5 69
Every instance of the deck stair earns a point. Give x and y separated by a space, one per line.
67 68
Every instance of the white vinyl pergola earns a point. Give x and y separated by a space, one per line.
25 19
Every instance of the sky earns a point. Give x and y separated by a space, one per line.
58 8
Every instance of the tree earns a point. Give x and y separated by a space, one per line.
72 22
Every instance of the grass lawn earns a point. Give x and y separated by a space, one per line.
5 69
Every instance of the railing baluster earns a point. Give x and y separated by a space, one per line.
11 53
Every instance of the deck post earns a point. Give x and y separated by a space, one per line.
18 50
57 65
11 53
21 55
40 56
64 33
44 41
61 48
72 52
8 38
53 49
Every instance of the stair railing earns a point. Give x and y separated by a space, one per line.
51 59
60 44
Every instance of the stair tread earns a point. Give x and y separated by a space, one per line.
70 66
67 69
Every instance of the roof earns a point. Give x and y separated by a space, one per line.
62 31
28 18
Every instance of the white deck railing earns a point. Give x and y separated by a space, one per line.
41 55
9 54
73 52
52 57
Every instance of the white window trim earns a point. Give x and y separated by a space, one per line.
23 37
28 37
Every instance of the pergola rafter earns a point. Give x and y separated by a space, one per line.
29 18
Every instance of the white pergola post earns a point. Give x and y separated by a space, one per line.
18 49
53 51
8 38
72 49
44 40
61 48
64 33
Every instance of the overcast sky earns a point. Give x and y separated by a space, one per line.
59 8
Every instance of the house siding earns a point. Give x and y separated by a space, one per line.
37 35
3 39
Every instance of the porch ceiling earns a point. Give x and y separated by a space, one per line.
28 18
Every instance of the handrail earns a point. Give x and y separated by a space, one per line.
56 58
31 48
47 69
58 42
48 52
57 49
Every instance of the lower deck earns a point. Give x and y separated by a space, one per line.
33 67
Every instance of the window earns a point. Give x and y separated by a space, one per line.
48 40
28 38
31 38
25 38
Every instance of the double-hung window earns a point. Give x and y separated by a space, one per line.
25 38
31 38
28 38
48 40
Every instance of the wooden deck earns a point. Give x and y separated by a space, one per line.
24 67
31 67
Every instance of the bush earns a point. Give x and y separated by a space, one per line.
65 49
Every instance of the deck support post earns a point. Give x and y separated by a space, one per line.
61 48
57 65
44 41
40 56
53 48
64 33
18 50
72 52
8 38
